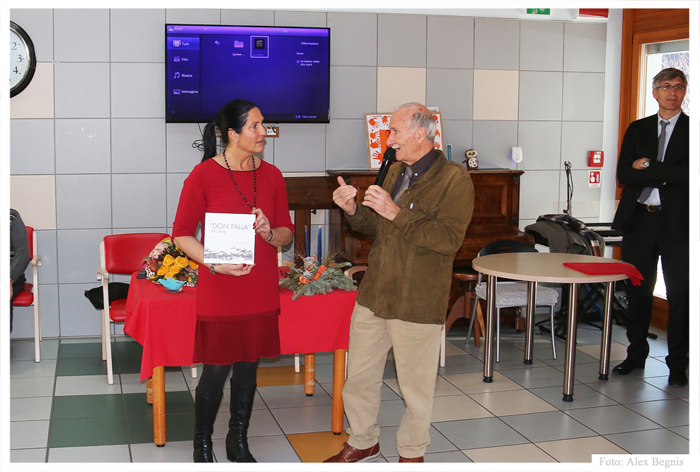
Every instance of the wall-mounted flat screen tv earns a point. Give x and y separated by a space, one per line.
285 71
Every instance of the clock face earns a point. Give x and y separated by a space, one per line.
22 59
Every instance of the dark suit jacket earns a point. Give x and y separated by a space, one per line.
669 176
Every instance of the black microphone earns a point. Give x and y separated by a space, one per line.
389 158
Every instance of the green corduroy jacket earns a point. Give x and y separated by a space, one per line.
410 263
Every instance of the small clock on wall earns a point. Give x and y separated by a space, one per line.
471 161
22 59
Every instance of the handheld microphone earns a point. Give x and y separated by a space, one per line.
389 158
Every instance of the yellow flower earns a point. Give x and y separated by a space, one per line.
168 260
194 265
181 262
163 270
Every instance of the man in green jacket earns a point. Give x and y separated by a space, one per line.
418 220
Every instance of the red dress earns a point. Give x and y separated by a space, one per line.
236 316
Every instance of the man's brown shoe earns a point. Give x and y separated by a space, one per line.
350 454
411 459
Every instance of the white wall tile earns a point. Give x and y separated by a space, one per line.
346 145
133 87
83 201
138 145
300 18
353 39
458 133
138 200
493 141
541 45
540 95
496 44
81 35
541 144
585 202
46 248
451 91
248 17
399 85
34 197
32 147
137 35
79 256
82 146
577 138
82 90
194 16
584 47
450 42
308 140
353 91
583 96
37 100
542 191
401 40
78 316
174 184
180 155
38 23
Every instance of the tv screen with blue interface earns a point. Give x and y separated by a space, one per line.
284 71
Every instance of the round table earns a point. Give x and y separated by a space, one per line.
535 267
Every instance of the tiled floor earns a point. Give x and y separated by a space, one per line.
62 410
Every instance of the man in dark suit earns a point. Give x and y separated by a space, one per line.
653 214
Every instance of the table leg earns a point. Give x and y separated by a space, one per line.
570 361
338 384
490 327
149 390
309 374
530 321
607 332
159 406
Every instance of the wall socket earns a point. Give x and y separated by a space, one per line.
273 131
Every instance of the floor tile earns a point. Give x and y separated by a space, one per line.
31 387
132 384
88 406
631 391
317 447
177 428
263 448
80 350
86 385
682 431
116 453
24 349
584 397
308 419
176 403
391 412
273 376
618 352
461 364
662 383
442 387
262 423
23 369
479 433
474 383
457 408
87 432
285 396
612 419
82 366
530 376
547 426
387 442
517 453
28 455
661 441
450 456
579 450
29 434
516 402
28 409
173 451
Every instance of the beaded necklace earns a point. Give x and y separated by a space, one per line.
255 184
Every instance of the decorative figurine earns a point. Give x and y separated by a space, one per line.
471 161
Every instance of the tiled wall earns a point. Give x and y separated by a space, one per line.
91 154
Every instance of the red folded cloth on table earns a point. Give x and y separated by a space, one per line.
594 268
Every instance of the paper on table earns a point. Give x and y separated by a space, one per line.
229 238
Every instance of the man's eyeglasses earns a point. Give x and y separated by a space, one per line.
668 88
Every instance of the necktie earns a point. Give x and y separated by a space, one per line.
659 157
408 173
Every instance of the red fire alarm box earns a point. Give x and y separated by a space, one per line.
595 158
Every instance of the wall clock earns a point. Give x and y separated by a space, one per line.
22 59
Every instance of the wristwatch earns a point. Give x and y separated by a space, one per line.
211 268
645 164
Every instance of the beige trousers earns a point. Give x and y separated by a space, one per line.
416 349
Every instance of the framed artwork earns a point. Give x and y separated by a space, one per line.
378 133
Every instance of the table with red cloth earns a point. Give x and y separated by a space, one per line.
164 324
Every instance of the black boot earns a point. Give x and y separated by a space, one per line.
237 437
204 415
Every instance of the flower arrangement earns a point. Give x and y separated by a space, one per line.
310 276
168 261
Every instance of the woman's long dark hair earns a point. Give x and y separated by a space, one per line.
233 116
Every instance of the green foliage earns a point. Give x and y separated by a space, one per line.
310 277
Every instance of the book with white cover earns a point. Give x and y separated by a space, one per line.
229 238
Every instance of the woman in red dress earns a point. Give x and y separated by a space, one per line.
237 304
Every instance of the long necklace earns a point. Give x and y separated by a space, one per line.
255 184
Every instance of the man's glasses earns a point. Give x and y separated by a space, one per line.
667 88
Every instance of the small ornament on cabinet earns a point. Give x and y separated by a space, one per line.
471 160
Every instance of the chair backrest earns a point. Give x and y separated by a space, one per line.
124 253
30 235
504 246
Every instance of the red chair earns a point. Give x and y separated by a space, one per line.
29 295
120 254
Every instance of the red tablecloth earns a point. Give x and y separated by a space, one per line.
164 323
